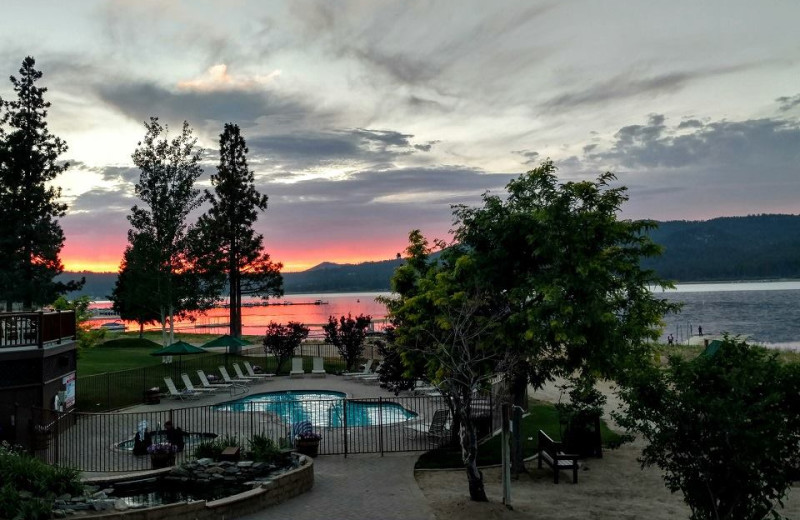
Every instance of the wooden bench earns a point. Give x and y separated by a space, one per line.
550 452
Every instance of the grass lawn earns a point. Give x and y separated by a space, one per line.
542 416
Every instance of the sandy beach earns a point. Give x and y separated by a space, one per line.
613 487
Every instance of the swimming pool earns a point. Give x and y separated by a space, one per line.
322 408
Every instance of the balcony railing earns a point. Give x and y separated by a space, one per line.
36 329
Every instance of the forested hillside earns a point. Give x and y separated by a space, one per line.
730 248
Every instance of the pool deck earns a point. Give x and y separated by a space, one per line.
352 388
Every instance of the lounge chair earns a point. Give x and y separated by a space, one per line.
437 428
250 371
241 375
215 385
371 377
367 370
297 367
319 368
182 394
235 382
190 387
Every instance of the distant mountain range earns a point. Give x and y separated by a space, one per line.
727 248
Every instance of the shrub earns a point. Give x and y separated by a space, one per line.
723 427
29 486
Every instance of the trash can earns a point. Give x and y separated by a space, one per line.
152 395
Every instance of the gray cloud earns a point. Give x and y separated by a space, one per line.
628 85
360 146
140 100
530 156
787 103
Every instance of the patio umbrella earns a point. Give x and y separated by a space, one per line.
180 349
230 343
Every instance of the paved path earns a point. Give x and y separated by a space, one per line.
359 487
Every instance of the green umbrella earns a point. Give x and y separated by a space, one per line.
180 349
226 341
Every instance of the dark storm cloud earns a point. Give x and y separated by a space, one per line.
755 143
140 100
361 145
530 156
628 85
119 200
787 103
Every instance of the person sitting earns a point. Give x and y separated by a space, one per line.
174 435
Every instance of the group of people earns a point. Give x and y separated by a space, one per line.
671 338
144 438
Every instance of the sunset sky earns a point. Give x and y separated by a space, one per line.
368 119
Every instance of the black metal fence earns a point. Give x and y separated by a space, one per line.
104 442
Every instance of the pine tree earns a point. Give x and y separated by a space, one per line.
30 235
135 294
228 227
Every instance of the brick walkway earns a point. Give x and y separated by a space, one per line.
359 487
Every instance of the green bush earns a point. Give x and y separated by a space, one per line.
264 449
30 486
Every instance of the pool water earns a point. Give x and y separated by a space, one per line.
322 408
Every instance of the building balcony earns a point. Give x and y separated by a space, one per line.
36 330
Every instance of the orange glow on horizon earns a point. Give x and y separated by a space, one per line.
295 261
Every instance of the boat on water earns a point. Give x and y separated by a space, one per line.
113 326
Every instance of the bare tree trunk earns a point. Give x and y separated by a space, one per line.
163 327
519 394
469 453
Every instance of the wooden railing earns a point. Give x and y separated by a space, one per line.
36 329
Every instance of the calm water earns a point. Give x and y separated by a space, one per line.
766 312
321 408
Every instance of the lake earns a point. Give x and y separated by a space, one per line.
766 312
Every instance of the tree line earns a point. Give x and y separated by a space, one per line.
171 266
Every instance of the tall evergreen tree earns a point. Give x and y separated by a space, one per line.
30 236
135 294
236 249
169 169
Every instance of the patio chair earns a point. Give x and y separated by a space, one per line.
371 377
297 367
319 368
235 382
190 387
182 394
250 371
254 377
208 384
438 427
366 371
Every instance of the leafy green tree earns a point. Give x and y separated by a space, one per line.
392 372
169 169
134 296
282 340
30 235
87 336
227 229
567 271
724 429
348 335
445 324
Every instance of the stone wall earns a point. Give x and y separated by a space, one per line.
282 488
